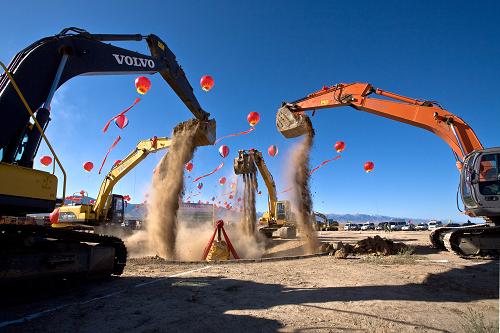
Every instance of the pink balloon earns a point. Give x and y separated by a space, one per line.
223 151
121 121
272 150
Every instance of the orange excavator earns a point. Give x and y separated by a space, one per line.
479 167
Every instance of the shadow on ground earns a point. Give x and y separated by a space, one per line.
205 303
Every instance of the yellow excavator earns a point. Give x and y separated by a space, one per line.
108 209
278 220
27 87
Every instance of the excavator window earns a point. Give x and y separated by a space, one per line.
466 181
489 181
280 211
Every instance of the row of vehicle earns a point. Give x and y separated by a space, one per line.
398 225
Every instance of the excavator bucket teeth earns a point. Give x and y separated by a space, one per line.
291 124
244 164
204 131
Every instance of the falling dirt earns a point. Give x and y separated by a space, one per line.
166 189
249 217
301 191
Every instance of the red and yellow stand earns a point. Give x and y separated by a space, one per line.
219 231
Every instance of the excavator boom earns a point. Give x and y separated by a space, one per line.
41 68
428 115
247 162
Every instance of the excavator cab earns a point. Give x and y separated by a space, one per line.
116 212
480 183
292 124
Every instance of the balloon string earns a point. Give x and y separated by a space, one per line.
109 150
324 163
210 173
234 134
137 100
288 189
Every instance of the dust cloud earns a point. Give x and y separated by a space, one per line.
166 191
302 200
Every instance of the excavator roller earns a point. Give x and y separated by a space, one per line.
291 124
204 131
244 163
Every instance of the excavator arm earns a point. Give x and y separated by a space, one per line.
247 162
119 170
429 115
41 68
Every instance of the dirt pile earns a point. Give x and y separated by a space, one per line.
377 246
301 191
166 191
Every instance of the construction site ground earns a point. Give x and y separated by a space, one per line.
429 291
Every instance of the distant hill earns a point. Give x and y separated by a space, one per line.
358 218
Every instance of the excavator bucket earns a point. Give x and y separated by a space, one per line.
291 124
244 163
204 131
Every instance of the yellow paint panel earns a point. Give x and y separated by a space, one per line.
25 182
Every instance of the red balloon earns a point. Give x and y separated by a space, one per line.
223 151
253 118
121 121
368 166
46 160
231 196
339 146
142 84
54 216
222 180
88 166
272 150
239 199
207 82
189 166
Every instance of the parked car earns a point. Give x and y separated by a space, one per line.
422 226
351 226
433 224
408 227
397 225
381 226
368 226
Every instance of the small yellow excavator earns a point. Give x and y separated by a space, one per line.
279 220
108 209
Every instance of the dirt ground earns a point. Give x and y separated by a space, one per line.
430 291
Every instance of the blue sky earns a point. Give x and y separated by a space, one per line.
263 53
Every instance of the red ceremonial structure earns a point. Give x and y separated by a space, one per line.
219 227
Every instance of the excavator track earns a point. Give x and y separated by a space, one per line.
468 242
32 251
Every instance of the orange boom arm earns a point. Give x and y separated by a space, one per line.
425 114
